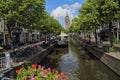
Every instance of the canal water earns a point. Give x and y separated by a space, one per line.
78 64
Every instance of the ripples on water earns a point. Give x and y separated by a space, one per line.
78 65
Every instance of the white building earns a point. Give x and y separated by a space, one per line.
4 40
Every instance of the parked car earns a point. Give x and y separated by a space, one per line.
1 48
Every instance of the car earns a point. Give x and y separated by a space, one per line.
1 48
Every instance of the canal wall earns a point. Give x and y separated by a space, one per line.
76 40
107 58
95 51
40 55
111 61
36 58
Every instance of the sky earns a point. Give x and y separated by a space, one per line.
59 8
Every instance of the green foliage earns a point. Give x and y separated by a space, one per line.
111 49
95 12
29 14
50 25
116 41
74 26
21 13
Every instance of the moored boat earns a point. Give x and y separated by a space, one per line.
62 40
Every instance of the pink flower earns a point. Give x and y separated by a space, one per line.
43 74
42 67
49 69
32 75
57 77
33 79
39 66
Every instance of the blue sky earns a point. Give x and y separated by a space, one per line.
59 8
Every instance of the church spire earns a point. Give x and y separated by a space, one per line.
67 21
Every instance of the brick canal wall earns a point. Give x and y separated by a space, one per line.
106 58
111 62
40 55
95 51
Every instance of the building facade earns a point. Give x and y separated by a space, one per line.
3 33
67 21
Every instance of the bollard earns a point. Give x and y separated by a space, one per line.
8 65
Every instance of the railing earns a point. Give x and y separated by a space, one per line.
5 78
2 63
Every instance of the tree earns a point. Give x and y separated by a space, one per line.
108 11
96 12
50 25
75 25
17 13
88 21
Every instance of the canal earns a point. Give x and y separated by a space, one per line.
78 64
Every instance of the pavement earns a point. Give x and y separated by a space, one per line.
114 54
107 44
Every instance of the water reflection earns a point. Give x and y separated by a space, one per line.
69 64
79 64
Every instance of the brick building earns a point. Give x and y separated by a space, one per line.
67 21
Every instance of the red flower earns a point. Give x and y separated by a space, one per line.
34 66
17 71
63 75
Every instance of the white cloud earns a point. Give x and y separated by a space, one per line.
60 12
75 5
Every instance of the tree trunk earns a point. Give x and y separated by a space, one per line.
110 33
117 30
11 39
89 38
39 36
95 37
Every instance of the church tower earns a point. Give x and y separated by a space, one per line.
67 21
